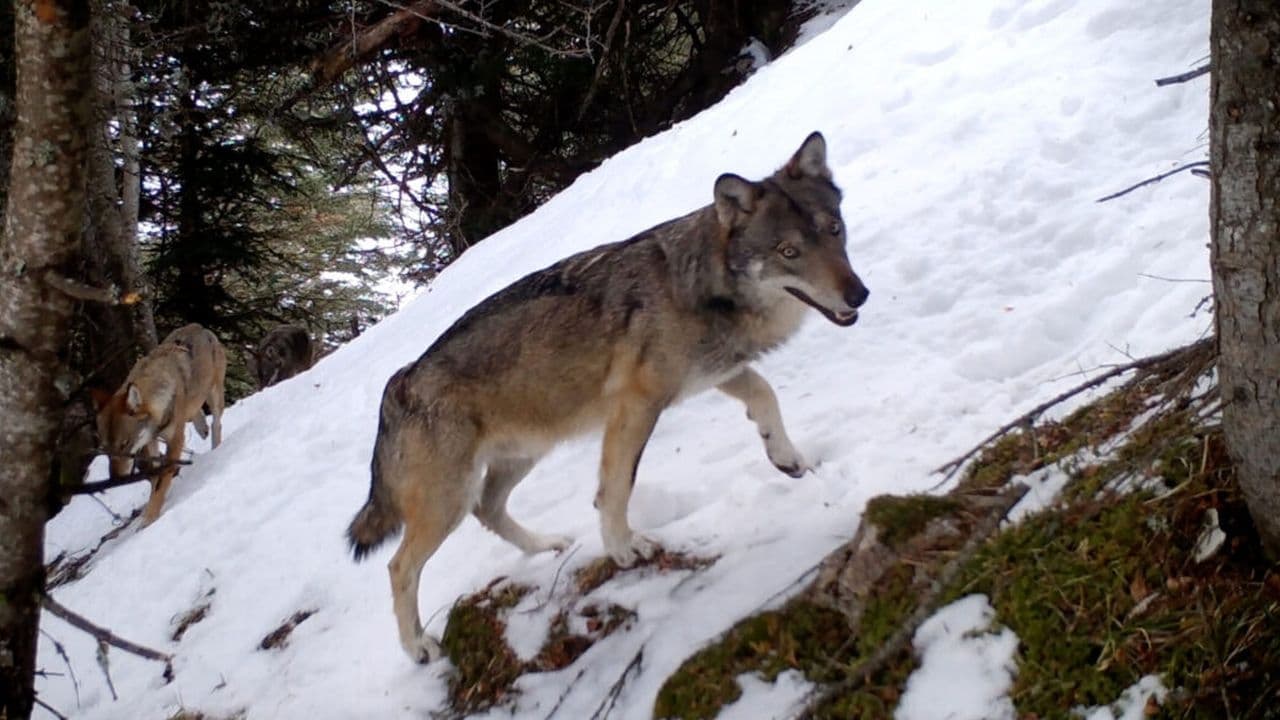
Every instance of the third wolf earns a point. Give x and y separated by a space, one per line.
607 338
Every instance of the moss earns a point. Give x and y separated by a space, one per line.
593 575
563 647
901 517
485 666
802 635
1103 590
798 635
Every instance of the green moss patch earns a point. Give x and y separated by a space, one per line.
901 517
1104 589
486 668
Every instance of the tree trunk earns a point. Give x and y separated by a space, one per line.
1245 215
6 101
41 234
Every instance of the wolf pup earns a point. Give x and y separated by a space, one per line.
164 390
282 353
606 338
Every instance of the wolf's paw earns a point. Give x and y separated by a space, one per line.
626 553
424 649
790 463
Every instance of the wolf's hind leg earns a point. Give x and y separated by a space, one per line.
762 407
502 477
434 495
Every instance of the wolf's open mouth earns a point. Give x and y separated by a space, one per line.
843 318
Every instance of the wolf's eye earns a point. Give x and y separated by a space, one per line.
834 227
789 252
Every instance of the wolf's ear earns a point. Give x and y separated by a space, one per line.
133 399
811 159
100 397
734 196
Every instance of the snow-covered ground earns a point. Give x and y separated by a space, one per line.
971 140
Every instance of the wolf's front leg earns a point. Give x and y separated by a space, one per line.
762 407
630 424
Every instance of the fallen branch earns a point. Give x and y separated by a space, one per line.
950 468
137 476
1183 77
1156 179
106 636
610 699
897 642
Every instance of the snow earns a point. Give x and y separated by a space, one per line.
971 140
762 700
966 669
1132 703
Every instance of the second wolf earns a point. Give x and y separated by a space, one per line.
165 389
282 353
606 338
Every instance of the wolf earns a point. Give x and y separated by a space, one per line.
282 353
607 338
165 389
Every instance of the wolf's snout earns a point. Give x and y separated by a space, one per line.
855 293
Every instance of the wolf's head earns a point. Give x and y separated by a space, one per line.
786 234
126 423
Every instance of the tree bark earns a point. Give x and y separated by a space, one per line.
41 236
6 102
1245 214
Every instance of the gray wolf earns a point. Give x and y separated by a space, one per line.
607 338
163 392
281 354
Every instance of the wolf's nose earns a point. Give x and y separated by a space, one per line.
855 293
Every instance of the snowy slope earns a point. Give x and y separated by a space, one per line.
971 139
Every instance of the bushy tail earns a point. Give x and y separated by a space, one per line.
379 519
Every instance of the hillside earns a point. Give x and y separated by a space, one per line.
971 141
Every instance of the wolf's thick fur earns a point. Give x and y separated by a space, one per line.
165 389
282 353
606 338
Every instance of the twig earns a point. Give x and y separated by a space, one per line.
1156 179
565 694
949 469
1175 280
899 639
49 707
554 579
133 477
611 698
106 636
105 665
62 652
1183 77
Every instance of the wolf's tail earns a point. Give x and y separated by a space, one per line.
379 519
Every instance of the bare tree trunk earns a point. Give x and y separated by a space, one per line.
6 101
41 235
1245 214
